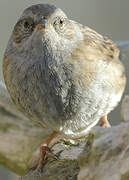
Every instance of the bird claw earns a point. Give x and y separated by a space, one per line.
38 161
51 154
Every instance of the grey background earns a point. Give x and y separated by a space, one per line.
108 17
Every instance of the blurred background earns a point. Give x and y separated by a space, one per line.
109 18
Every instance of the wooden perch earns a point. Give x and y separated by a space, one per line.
125 109
102 155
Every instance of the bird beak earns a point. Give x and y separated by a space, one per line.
44 22
44 25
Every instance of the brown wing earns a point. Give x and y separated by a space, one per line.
96 46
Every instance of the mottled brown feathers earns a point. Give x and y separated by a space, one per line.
95 46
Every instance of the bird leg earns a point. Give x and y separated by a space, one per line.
44 149
104 122
37 160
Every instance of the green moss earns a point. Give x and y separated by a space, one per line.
4 112
56 170
125 176
21 170
88 151
4 127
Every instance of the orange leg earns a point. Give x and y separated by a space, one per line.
104 122
44 148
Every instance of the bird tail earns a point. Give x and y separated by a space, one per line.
123 44
124 49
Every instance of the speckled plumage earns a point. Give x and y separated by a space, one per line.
65 77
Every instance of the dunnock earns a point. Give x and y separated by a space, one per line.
60 73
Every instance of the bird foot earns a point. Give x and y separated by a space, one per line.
45 151
38 159
104 122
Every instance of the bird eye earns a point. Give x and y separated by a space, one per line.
26 24
23 29
59 24
61 21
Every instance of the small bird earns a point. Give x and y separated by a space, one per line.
61 74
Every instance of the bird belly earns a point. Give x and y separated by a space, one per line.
95 103
63 100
